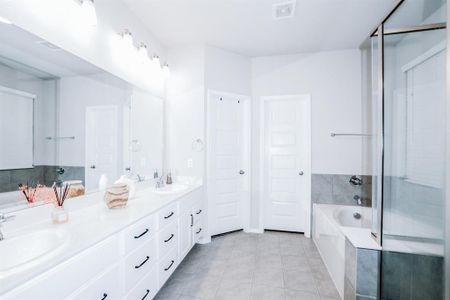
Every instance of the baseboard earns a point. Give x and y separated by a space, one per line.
254 230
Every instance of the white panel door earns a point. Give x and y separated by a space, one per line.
101 145
227 173
287 164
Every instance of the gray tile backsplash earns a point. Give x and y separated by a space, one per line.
336 189
10 179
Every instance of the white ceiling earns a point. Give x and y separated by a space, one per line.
247 27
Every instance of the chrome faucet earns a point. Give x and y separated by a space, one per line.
357 199
160 181
4 219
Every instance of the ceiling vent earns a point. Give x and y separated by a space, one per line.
284 10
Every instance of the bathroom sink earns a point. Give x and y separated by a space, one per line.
171 189
21 252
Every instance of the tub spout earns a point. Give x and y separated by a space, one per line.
357 199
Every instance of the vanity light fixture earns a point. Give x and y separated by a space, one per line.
143 52
155 61
127 37
89 12
5 21
166 70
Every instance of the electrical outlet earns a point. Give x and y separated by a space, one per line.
190 163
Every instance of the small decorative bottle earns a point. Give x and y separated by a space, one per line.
59 215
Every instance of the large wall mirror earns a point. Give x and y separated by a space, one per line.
65 120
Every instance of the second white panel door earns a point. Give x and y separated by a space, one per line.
287 163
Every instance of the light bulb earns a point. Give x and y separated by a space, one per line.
155 61
89 12
166 70
143 53
127 37
5 21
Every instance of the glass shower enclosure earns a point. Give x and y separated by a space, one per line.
405 105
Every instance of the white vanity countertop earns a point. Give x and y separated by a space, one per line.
90 222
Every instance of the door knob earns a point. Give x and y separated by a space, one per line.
301 173
241 172
93 167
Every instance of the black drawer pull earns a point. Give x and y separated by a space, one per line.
144 233
105 295
200 230
171 214
146 294
142 263
171 236
170 266
199 212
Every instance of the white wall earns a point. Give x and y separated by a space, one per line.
194 70
185 110
57 22
227 71
333 79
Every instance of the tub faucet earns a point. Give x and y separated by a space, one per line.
4 219
357 199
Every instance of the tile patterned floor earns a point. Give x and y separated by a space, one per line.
269 266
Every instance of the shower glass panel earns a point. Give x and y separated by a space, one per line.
414 152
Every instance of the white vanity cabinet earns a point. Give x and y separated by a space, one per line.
131 264
191 213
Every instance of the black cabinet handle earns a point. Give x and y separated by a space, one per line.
146 294
171 236
138 236
192 220
105 295
170 266
171 214
199 212
142 263
200 230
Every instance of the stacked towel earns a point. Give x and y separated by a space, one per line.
116 195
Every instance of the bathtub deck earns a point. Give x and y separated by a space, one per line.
241 265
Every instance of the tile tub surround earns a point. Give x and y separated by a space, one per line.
240 265
10 179
411 276
336 189
361 272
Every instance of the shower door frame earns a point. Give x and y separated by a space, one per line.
380 32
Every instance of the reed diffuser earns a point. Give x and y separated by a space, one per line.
59 214
30 191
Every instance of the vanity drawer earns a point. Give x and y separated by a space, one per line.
104 287
198 231
138 263
167 215
138 233
168 239
145 289
166 266
197 212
